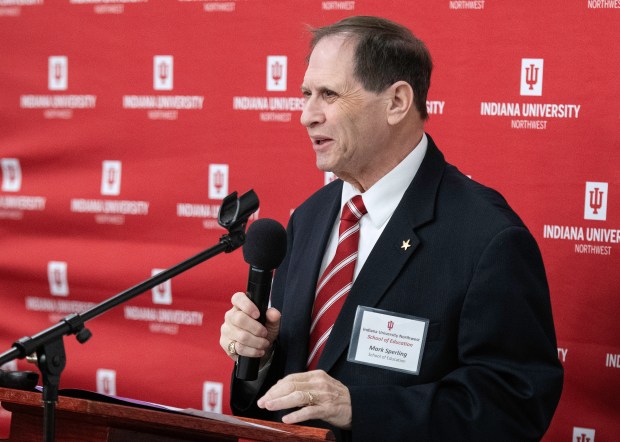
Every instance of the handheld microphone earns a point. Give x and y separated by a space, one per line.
264 250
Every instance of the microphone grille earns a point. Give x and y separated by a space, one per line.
265 244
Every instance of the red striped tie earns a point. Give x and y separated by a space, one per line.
337 279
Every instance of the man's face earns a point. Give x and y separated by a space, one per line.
346 123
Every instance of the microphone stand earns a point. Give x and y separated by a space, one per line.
49 345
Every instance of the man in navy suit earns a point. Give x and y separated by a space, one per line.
442 256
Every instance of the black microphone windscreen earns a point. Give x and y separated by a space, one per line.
265 244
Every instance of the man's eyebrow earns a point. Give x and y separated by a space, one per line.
319 89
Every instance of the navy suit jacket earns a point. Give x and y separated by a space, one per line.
489 369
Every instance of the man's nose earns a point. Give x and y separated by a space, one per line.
312 114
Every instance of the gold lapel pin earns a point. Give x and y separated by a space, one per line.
405 245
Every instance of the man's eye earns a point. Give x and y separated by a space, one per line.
328 93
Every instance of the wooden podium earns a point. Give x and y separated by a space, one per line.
79 420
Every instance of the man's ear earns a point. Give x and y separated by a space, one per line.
400 102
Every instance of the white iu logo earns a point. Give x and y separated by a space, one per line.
57 73
162 294
276 72
218 181
595 206
11 174
57 278
532 76
583 434
111 178
163 72
106 381
212 396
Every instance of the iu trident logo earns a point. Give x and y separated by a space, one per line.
276 72
583 434
212 396
218 181
163 72
162 294
57 278
106 381
531 76
111 177
11 174
595 206
58 73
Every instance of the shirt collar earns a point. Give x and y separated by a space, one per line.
383 197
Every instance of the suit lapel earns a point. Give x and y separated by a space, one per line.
302 283
388 256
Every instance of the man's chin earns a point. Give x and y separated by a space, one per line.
323 166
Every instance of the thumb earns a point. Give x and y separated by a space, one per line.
272 324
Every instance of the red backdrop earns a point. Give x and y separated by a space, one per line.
124 123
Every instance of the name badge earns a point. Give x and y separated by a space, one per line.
388 340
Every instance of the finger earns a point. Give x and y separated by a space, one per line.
272 323
273 315
247 331
241 301
250 350
281 388
224 343
303 414
288 392
306 377
238 320
248 344
275 401
242 349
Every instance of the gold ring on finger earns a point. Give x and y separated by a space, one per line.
310 401
231 348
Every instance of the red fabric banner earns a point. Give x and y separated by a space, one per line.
125 122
